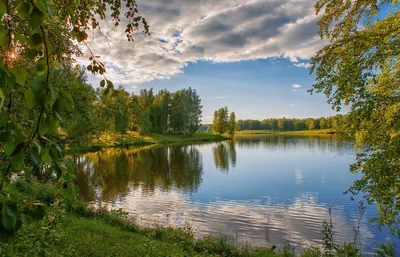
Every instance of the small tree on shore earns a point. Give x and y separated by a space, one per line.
223 122
232 124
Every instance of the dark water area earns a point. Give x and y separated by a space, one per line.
260 189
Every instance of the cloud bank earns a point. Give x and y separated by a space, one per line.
303 65
184 31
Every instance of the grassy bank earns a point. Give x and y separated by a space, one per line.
70 228
130 138
303 132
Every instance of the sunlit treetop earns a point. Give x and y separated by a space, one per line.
36 38
360 68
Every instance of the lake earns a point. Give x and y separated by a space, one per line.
260 189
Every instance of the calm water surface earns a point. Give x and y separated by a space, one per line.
260 189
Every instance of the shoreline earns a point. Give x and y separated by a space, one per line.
132 139
300 132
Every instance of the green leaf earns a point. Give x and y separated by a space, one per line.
46 157
9 221
37 146
20 74
39 90
110 84
55 64
3 9
4 37
37 18
17 161
9 148
32 53
36 40
43 127
26 219
41 65
54 93
41 5
21 38
50 10
35 153
58 115
11 208
1 94
24 9
102 83
30 98
52 124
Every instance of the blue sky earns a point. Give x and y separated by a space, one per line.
252 89
246 55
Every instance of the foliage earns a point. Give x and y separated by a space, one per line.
36 37
360 68
119 111
224 122
232 124
384 250
286 124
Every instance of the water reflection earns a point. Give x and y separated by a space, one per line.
280 189
225 156
111 173
326 143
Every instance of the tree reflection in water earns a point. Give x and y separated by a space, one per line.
111 173
225 156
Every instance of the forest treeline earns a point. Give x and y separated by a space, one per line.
97 111
283 124
286 124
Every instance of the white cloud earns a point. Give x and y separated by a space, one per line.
297 86
303 65
184 31
220 97
292 105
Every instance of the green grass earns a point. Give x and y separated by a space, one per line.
303 132
134 139
177 138
94 237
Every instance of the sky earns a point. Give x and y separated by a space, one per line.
251 56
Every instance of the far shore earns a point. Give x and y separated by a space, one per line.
302 132
134 139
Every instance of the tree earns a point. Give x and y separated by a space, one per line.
281 124
323 123
223 122
193 111
232 124
36 37
162 101
78 120
215 127
360 68
310 123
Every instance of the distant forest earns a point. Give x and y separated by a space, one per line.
285 124
90 113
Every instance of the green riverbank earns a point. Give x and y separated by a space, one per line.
134 139
70 228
